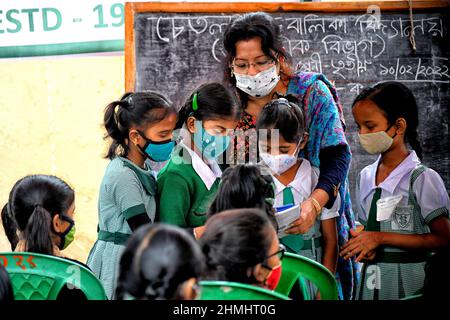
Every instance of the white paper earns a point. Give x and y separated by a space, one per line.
285 218
386 206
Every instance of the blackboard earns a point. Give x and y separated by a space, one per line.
174 47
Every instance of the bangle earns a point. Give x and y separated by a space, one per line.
316 205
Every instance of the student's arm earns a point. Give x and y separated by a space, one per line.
334 153
127 193
366 241
174 199
330 244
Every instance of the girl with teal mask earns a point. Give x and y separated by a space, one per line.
188 183
140 126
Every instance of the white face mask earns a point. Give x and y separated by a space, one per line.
377 142
259 85
280 163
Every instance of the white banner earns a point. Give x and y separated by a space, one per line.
30 22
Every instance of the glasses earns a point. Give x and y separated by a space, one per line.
243 67
279 253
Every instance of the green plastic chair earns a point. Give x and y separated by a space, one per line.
415 297
298 268
225 290
41 277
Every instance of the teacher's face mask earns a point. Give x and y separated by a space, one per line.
259 85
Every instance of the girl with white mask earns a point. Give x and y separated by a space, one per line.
282 135
257 66
402 204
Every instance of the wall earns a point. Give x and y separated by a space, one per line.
51 113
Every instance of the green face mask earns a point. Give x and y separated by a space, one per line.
67 236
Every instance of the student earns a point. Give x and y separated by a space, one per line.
402 204
140 126
188 183
295 179
243 186
43 208
257 66
160 262
241 245
6 290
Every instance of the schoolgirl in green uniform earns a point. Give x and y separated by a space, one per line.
188 183
140 126
402 204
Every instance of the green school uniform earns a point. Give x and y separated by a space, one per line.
126 191
186 188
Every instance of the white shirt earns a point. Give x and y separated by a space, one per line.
429 187
208 172
302 186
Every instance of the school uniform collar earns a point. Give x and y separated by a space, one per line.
367 183
208 173
146 176
301 182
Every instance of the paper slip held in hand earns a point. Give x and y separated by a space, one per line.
285 216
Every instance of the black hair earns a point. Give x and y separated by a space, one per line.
133 109
396 101
157 259
35 200
248 26
214 101
6 290
234 242
285 115
243 186
437 278
10 227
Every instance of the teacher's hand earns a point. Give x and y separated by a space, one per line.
308 216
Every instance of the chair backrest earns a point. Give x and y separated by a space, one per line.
225 290
415 297
41 277
295 267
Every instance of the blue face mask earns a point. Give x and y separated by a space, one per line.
158 151
210 146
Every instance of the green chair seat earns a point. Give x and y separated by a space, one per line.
225 290
41 277
298 268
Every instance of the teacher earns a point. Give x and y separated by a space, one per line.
257 67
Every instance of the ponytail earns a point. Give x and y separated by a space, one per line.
411 137
133 109
114 112
37 234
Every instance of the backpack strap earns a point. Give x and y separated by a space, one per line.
414 175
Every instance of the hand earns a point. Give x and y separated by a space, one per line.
198 232
308 216
361 244
370 256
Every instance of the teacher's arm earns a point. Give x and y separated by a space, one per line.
328 149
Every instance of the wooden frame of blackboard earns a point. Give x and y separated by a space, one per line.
131 8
